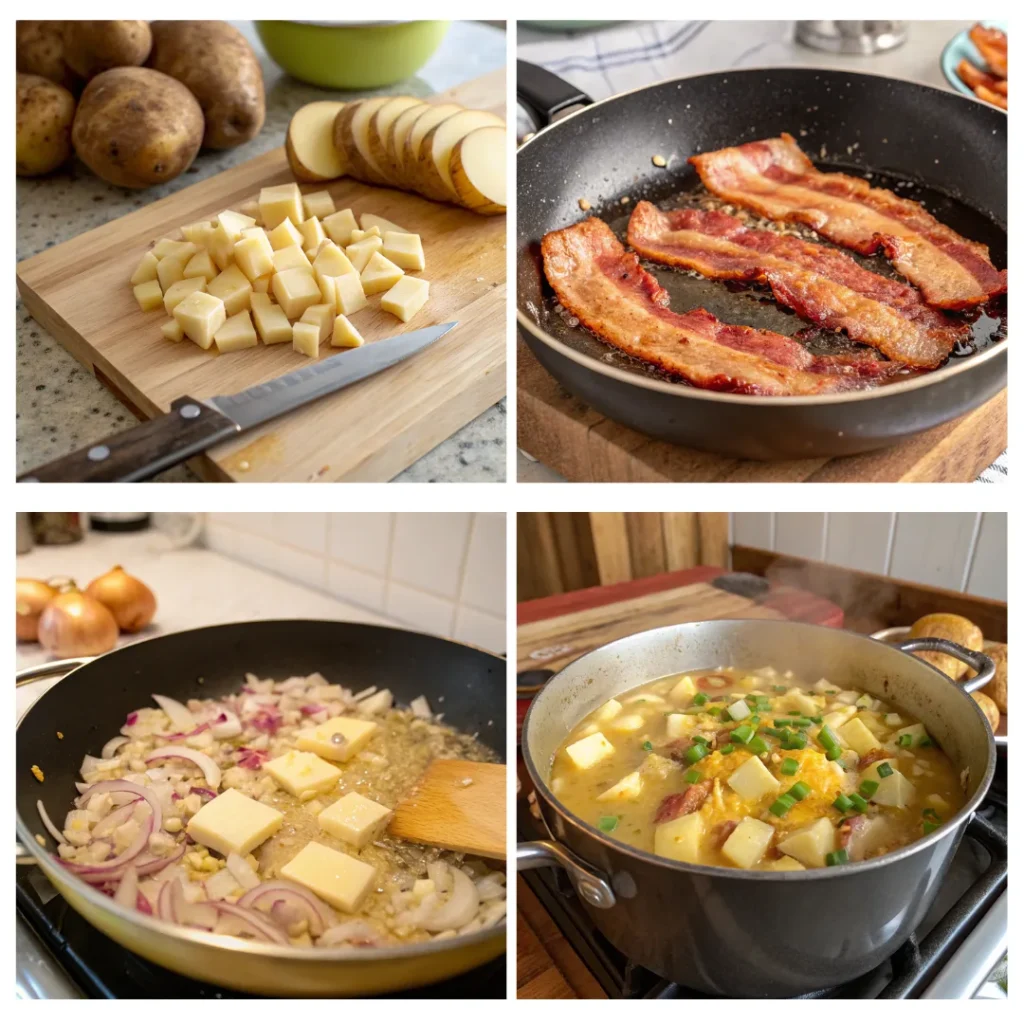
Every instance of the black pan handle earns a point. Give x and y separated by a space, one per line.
981 663
140 453
546 96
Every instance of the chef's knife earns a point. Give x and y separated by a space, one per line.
193 426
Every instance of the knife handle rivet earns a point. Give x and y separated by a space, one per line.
99 453
190 411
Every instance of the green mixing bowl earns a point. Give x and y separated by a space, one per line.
351 55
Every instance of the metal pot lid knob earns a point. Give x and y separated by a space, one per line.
590 885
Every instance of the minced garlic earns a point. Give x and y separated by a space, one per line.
38 773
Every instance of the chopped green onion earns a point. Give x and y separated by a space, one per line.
884 770
795 741
868 788
762 703
755 720
790 766
700 699
696 753
817 719
728 748
779 689
648 745
782 806
837 857
828 739
608 823
905 739
930 812
842 803
802 722
692 776
928 826
758 745
926 742
777 733
799 791
780 722
859 802
742 733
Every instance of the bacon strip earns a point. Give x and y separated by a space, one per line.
776 179
611 294
820 283
691 799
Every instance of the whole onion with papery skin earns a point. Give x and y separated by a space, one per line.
30 598
129 600
75 624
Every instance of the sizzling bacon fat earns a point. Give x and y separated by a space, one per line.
611 294
775 178
820 283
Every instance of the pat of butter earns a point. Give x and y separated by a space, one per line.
200 315
302 774
342 881
320 739
234 823
354 819
406 298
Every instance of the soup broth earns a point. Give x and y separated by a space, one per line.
756 770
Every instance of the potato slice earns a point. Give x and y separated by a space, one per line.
419 129
434 178
309 143
477 169
380 129
351 136
395 141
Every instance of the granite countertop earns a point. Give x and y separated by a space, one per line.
61 406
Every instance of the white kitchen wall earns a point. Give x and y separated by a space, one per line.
957 550
439 572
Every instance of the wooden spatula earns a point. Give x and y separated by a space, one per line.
457 805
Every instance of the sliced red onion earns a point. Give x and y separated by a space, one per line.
312 709
266 721
251 759
241 921
298 896
174 736
208 793
180 716
132 718
142 905
227 726
242 871
110 748
165 903
115 818
127 892
203 761
113 869
124 786
49 825
94 764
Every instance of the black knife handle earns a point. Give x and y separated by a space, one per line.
142 452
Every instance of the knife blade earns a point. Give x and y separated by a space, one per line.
192 426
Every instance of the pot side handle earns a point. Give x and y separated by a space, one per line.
590 884
545 95
981 663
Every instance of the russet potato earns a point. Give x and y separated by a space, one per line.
91 47
40 51
45 113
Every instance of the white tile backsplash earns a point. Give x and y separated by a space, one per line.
438 572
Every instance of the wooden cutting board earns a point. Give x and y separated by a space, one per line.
581 444
79 292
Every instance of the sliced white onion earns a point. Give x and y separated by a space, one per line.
180 716
356 930
491 887
220 885
94 764
48 823
363 694
204 761
115 818
127 893
378 703
243 872
457 911
110 748
227 729
420 707
268 893
242 921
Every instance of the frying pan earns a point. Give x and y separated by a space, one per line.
88 706
929 145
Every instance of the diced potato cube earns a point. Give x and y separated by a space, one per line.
345 335
752 780
296 290
337 739
405 251
303 774
871 772
173 247
342 881
627 723
359 234
201 265
349 296
894 790
312 233
180 289
234 823
798 700
938 803
146 270
368 221
221 246
589 751
237 332
285 235
254 255
738 711
917 732
811 843
323 316
683 691
170 270
627 788
234 223
172 330
748 842
251 208
261 285
200 315
680 838
607 711
331 261
359 253
318 204
197 232
856 735
835 720
326 286
233 287
678 726
271 321
306 339
784 864
379 275
339 226
405 298
279 202
148 295
293 256
354 819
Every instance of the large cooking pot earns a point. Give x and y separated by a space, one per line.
731 932
89 705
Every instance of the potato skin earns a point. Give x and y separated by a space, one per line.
92 47
137 127
40 51
214 61
946 626
45 113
